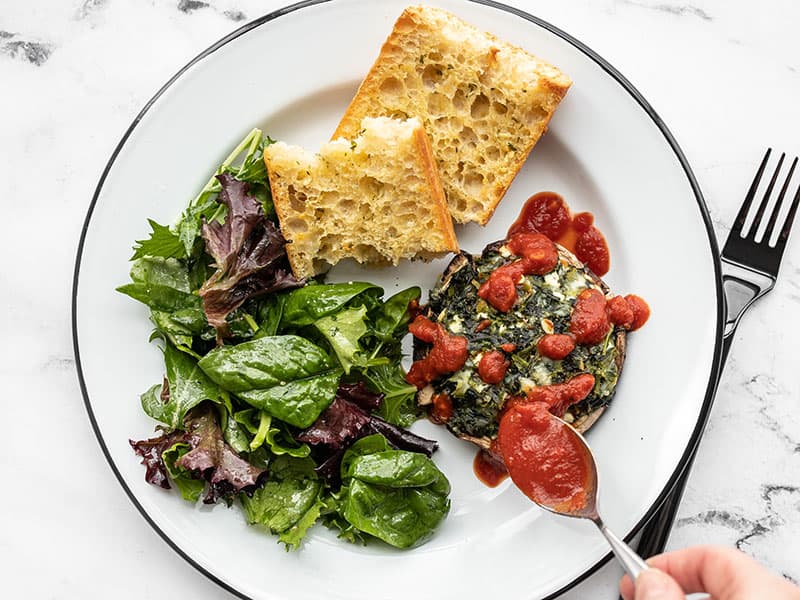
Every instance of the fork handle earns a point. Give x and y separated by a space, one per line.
656 533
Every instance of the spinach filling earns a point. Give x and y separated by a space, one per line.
544 305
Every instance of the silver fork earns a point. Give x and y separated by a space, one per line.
750 264
750 267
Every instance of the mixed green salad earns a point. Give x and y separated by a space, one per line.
286 397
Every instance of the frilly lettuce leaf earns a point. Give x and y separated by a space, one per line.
248 251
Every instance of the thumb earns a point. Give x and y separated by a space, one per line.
653 584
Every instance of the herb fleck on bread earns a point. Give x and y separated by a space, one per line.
484 103
376 197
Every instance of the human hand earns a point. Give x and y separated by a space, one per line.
725 573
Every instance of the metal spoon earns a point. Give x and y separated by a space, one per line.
633 564
630 561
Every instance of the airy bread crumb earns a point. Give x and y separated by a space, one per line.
376 198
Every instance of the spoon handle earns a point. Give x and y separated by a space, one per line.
631 562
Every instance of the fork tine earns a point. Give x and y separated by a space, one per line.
763 204
738 223
787 224
777 208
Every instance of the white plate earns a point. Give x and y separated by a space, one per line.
606 152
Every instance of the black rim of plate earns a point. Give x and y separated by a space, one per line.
610 70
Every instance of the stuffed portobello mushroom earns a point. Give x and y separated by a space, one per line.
511 336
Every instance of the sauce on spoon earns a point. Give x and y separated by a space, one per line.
546 462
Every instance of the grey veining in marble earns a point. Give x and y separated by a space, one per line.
724 75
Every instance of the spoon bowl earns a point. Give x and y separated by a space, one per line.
630 561
551 463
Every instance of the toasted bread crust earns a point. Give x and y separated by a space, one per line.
484 103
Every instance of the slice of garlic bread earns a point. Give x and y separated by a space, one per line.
375 197
484 103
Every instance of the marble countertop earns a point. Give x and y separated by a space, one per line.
725 77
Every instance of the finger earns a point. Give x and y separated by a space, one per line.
626 588
721 572
657 585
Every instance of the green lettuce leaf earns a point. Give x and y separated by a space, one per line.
189 486
162 242
289 502
162 284
265 429
399 404
185 386
343 330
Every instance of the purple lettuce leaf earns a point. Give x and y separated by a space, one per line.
360 394
401 438
223 241
151 450
338 424
215 460
348 419
248 251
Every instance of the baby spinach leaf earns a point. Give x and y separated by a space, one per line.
305 305
162 242
392 316
180 327
297 402
394 468
366 445
397 496
234 433
269 312
401 517
264 362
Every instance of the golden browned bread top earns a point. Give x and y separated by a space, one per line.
484 103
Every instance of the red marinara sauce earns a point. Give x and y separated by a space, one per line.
556 346
493 366
538 257
593 315
547 213
558 397
589 322
546 463
489 467
447 354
